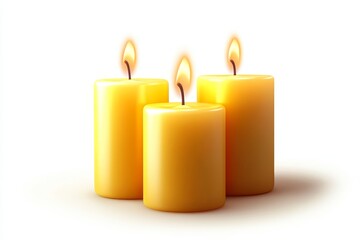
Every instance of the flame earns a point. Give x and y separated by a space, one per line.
234 53
129 55
183 75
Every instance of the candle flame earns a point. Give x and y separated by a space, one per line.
183 74
234 54
129 56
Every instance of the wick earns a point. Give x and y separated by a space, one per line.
182 93
128 68
233 63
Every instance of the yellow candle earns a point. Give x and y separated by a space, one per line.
184 154
118 131
249 103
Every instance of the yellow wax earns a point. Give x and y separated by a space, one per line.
184 156
118 133
249 103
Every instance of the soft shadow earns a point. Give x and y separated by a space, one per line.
292 191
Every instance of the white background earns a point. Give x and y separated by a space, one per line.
53 51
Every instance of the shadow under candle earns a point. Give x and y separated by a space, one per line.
292 192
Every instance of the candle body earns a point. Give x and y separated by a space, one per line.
118 105
184 157
249 103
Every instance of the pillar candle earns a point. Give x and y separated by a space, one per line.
249 103
118 119
184 156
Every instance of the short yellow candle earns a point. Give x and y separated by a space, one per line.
118 131
184 155
249 103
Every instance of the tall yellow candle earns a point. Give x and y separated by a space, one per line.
249 103
118 105
184 154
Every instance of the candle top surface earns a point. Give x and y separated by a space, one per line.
133 81
221 77
188 107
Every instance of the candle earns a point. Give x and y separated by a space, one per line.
249 103
184 153
118 130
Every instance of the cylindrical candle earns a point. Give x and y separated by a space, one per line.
118 133
184 156
249 103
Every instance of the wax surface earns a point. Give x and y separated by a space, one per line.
249 103
118 133
184 156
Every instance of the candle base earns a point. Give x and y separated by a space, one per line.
184 210
248 193
111 195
